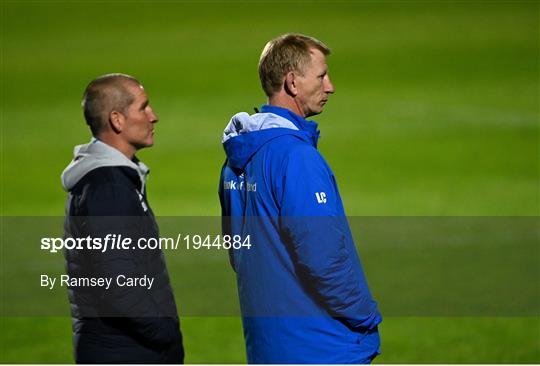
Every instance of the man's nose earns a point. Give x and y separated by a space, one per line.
152 116
329 87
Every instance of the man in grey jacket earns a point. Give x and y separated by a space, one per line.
107 195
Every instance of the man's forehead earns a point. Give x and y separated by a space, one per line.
317 57
316 54
135 88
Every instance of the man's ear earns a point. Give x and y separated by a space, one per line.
117 121
290 84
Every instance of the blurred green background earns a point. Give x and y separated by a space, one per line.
435 114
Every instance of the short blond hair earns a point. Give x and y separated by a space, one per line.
288 52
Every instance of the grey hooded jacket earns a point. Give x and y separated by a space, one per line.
107 195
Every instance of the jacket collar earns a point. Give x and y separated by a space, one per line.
97 154
309 127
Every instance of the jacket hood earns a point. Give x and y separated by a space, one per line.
97 154
245 134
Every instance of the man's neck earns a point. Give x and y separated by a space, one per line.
124 148
285 101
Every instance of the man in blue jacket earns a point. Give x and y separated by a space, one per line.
303 294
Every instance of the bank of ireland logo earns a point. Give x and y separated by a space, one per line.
240 184
321 197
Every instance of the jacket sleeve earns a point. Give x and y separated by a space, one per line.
315 228
226 214
116 209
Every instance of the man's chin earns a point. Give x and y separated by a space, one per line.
314 113
146 144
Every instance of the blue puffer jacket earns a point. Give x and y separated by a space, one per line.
303 294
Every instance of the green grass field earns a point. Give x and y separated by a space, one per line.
435 114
